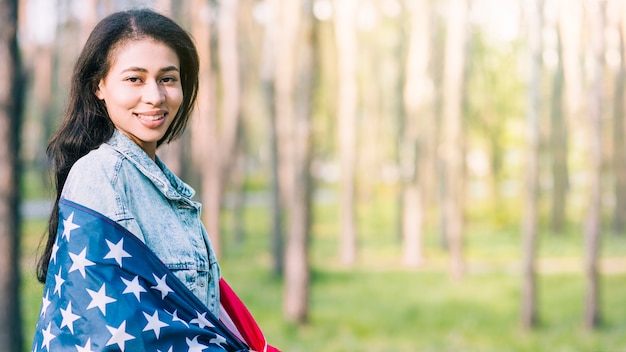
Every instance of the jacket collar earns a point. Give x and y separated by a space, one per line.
157 172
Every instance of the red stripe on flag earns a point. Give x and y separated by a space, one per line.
243 320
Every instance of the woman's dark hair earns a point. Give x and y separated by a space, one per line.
86 124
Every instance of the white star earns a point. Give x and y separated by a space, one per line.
47 337
218 340
68 226
80 261
202 321
133 287
194 345
68 317
162 286
58 281
86 348
99 299
45 304
119 336
55 249
176 318
154 323
117 252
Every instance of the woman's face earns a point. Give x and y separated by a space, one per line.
142 90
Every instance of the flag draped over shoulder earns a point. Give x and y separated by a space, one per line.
107 291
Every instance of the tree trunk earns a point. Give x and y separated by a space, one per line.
345 33
453 84
619 144
225 144
10 116
297 267
418 103
230 86
592 317
204 131
268 69
559 147
529 225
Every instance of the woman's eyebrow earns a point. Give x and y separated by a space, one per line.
143 70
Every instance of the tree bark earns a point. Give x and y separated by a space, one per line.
204 131
268 69
297 267
345 34
619 144
10 117
529 224
559 147
231 126
592 317
418 103
453 84
228 55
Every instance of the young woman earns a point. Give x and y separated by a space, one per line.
133 88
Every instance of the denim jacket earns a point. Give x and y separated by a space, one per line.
120 181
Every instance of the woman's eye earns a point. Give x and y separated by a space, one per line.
133 79
168 79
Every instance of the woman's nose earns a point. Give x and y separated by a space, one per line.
153 93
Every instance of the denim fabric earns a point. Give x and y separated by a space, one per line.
120 181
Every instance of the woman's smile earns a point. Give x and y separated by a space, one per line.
142 91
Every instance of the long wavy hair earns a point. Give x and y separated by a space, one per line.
86 124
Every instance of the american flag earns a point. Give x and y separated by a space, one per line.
106 291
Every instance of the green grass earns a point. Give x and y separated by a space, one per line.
378 305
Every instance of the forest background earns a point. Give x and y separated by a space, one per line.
376 175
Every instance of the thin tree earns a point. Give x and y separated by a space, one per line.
559 145
453 86
10 116
418 103
345 36
230 99
592 318
204 130
268 68
619 143
529 221
570 31
297 16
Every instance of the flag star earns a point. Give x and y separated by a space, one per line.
86 348
176 318
55 249
45 304
194 345
48 336
80 261
202 321
133 287
119 336
58 282
154 323
69 317
68 226
99 299
218 339
162 286
116 251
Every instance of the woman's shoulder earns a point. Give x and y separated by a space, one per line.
102 157
98 169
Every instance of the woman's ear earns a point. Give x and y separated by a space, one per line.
99 92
